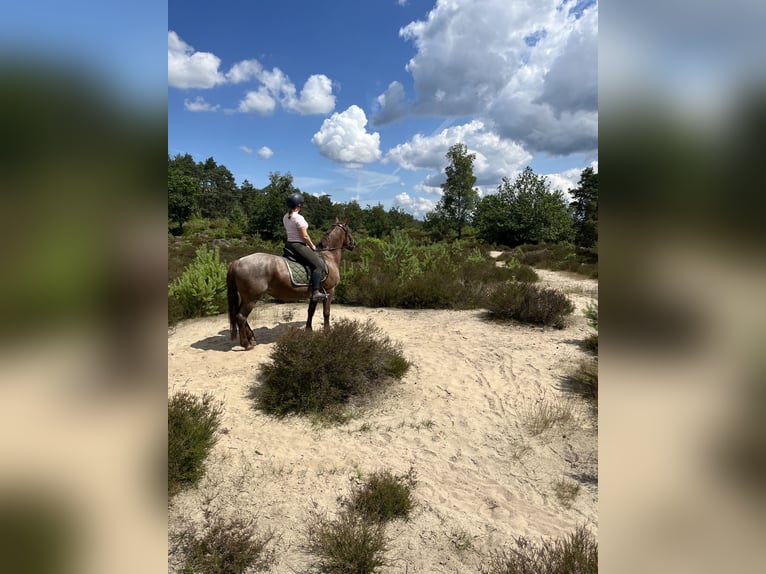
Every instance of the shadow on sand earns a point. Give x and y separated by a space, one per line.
263 336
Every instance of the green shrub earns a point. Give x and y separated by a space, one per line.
226 546
315 372
192 426
528 303
201 288
576 553
348 544
384 496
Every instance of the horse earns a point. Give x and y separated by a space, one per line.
249 277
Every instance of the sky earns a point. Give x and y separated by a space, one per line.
362 100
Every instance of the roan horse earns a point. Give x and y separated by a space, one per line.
251 276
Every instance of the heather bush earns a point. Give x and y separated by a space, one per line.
528 303
576 553
384 496
193 424
316 372
346 544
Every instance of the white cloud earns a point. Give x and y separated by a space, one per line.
316 97
495 157
244 71
265 153
260 102
190 69
527 69
199 104
246 149
417 206
343 138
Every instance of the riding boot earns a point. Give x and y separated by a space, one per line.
316 279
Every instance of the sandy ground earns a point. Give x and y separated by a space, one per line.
460 418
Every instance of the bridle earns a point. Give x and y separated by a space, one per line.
348 234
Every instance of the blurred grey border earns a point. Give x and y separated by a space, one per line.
682 431
83 347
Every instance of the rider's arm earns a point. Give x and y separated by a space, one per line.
305 235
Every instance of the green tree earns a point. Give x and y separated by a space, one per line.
525 211
182 196
266 207
459 199
585 209
218 190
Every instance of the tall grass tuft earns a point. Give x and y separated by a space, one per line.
528 303
193 423
576 553
316 372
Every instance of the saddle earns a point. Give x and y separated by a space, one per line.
300 273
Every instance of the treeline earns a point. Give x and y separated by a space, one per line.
523 211
207 190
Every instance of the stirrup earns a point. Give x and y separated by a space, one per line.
318 296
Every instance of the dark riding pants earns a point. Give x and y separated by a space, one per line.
310 258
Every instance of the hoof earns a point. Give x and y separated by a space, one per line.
249 347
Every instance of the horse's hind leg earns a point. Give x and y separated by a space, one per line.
246 335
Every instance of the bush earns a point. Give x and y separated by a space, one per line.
315 372
192 426
528 303
226 546
201 288
576 553
384 496
349 544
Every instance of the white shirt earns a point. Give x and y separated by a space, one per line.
293 225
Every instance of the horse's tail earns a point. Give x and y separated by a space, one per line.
233 297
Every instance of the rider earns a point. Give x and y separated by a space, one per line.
299 241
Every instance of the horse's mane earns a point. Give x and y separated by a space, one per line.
325 237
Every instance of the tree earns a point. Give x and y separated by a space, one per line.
459 199
525 211
585 209
266 207
182 196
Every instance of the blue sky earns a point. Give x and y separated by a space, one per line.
362 100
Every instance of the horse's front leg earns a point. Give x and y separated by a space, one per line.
312 308
326 309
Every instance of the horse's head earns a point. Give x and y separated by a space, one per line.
338 237
348 239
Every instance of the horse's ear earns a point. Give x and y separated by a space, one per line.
345 221
336 219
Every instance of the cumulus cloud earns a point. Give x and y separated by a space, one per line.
260 102
343 137
190 69
244 71
495 157
316 97
527 69
199 104
265 153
